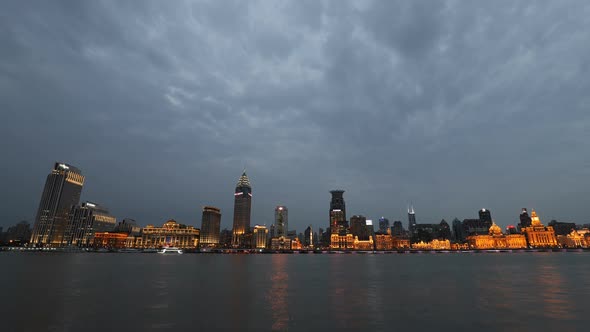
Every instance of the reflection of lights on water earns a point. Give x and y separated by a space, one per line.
278 293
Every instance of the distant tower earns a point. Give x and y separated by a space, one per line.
383 225
525 219
411 219
485 215
61 192
210 227
337 211
281 221
308 237
242 208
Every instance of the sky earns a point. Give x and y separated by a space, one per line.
452 106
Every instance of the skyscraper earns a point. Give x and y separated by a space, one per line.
337 212
411 219
242 208
61 192
308 237
85 221
383 225
281 221
485 215
259 237
210 226
525 219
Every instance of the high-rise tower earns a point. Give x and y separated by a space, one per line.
210 227
337 211
411 219
61 192
242 208
281 221
485 215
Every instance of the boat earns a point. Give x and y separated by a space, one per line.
171 250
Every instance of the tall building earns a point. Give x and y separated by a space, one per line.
281 221
210 226
397 229
485 215
383 225
61 192
358 227
308 237
18 234
525 219
259 237
337 212
242 208
411 219
458 233
85 221
538 235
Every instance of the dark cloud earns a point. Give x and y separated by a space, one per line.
451 105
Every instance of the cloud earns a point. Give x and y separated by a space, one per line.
451 105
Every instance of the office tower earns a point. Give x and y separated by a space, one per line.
358 227
259 237
411 219
281 221
444 230
210 226
383 225
562 228
128 226
525 220
61 192
337 212
397 229
485 215
242 207
272 231
85 221
458 233
17 235
225 238
308 237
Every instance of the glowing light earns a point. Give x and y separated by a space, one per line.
238 194
64 166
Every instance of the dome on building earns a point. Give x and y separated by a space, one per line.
495 229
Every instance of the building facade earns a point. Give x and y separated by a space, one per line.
259 237
538 235
86 220
171 234
383 241
383 225
61 192
432 245
496 240
210 227
281 221
242 209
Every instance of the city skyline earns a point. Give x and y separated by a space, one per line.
452 107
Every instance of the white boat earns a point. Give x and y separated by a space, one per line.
170 250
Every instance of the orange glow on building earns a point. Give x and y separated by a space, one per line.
538 235
364 244
110 240
496 240
383 242
432 245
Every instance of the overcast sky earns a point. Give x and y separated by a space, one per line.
451 105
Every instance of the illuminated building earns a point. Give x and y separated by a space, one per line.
242 207
538 235
61 192
281 221
280 243
411 219
364 244
296 245
110 240
433 245
496 240
85 221
525 219
170 234
259 237
210 227
338 213
383 241
341 241
510 229
383 225
309 237
574 239
400 242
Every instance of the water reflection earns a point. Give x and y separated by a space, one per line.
278 293
555 297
